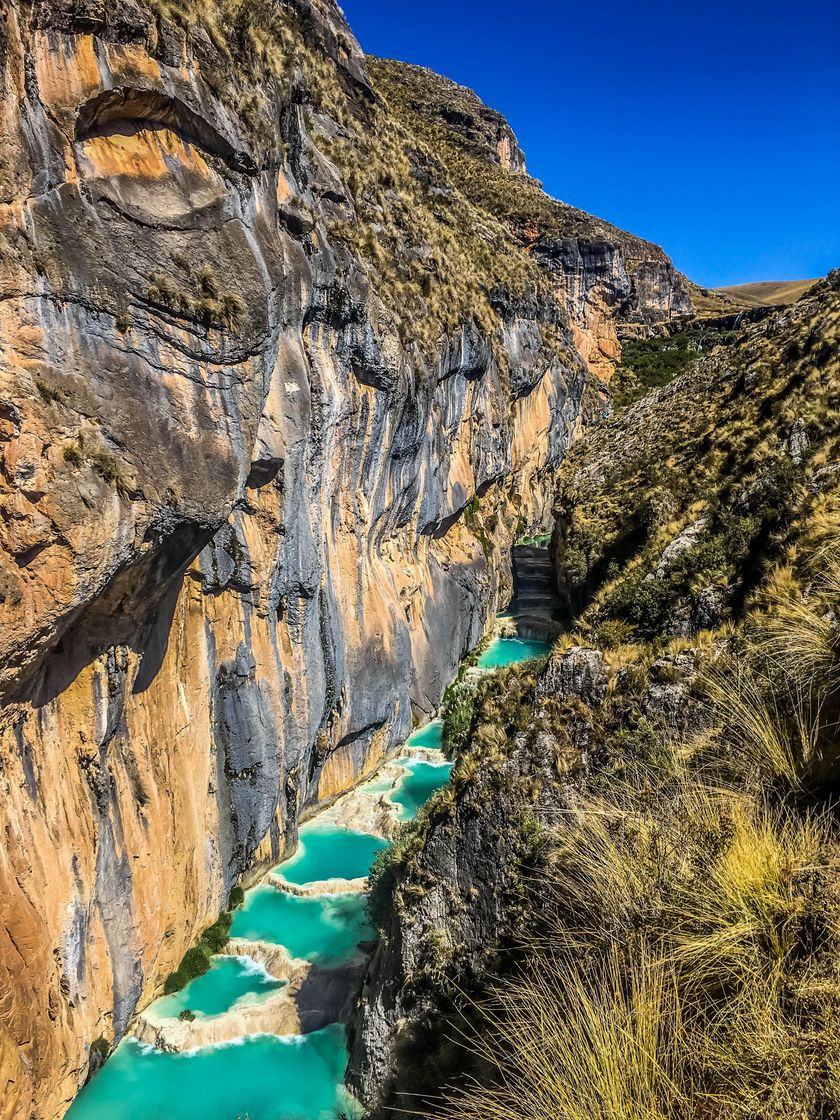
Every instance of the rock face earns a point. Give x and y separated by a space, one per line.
233 557
603 276
267 430
458 904
458 911
603 283
459 110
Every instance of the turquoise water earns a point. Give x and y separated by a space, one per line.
324 928
422 780
428 736
379 785
265 1077
229 981
507 651
331 853
261 1078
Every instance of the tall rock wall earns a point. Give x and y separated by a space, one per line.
605 277
274 404
249 528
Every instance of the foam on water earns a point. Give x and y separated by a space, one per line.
230 982
324 929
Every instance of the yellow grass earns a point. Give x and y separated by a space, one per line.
565 1044
768 293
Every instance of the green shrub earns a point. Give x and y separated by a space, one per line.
237 897
216 937
387 870
107 467
50 395
458 709
100 1048
187 1016
195 963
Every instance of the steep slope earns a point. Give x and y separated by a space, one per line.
282 380
602 275
671 514
682 741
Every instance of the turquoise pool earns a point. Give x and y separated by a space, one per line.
262 1078
428 736
229 981
323 928
507 651
423 779
331 853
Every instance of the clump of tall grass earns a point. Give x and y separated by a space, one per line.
674 949
563 1041
778 703
803 634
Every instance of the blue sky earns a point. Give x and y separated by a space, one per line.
711 128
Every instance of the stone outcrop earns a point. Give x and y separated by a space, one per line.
267 433
604 286
459 905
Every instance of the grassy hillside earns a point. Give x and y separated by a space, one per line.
674 513
435 109
672 949
768 293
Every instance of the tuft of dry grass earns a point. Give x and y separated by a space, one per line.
682 957
566 1042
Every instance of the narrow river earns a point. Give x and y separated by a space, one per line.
261 1035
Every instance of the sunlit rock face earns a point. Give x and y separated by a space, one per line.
239 544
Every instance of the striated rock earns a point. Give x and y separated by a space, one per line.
250 386
604 276
681 544
459 895
233 557
574 672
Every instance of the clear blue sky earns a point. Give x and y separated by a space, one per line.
711 128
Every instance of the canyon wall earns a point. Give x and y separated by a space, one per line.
678 521
271 419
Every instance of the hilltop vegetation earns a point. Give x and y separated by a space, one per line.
677 513
437 110
482 159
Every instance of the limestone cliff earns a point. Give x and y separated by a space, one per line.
277 396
